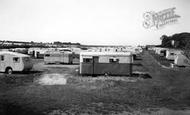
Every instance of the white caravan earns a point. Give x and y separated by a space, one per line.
171 54
182 60
12 61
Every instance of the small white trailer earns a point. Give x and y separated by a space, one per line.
61 57
56 57
37 52
160 51
12 61
171 54
182 60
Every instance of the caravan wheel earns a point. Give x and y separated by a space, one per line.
9 71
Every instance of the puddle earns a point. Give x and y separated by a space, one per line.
52 79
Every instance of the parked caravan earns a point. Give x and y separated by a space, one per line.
163 52
20 50
12 61
56 57
154 49
172 53
64 49
182 60
37 52
105 63
160 51
61 57
76 50
75 58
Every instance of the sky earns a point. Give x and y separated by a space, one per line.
91 22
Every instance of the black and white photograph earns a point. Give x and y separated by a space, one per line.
94 57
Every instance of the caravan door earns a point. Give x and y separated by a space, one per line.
95 65
2 63
17 64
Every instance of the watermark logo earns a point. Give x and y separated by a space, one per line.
160 19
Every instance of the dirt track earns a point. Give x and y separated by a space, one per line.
167 90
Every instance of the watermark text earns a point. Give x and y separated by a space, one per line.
160 19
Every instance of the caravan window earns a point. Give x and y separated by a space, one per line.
171 53
114 60
47 55
16 59
2 58
87 60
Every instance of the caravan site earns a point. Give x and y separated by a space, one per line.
99 76
94 57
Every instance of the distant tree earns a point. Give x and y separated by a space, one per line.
57 43
181 41
163 36
166 41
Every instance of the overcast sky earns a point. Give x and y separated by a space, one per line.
112 22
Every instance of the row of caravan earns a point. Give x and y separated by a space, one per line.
95 63
176 55
38 52
91 63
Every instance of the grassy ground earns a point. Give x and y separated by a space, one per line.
21 95
162 60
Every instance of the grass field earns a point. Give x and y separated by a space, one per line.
162 60
166 92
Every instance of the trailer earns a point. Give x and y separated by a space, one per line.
37 52
12 61
181 60
105 63
160 51
163 52
20 50
171 54
58 57
75 58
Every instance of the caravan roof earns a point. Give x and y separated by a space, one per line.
57 52
105 53
13 53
